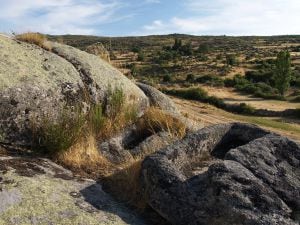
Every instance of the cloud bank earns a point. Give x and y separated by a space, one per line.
232 17
58 16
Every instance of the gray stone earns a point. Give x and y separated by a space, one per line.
225 174
42 196
99 76
158 99
35 83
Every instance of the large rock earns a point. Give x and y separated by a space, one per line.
133 143
225 174
158 99
99 76
163 102
35 82
37 191
99 50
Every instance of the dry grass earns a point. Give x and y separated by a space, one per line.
84 156
124 184
156 120
34 38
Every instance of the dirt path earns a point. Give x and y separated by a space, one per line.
208 115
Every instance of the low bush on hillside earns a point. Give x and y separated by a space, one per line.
259 89
201 95
34 38
211 80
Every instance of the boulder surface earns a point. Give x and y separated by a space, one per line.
38 191
225 174
35 82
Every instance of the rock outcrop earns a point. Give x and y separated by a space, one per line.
163 102
99 50
225 174
35 82
37 191
158 99
133 143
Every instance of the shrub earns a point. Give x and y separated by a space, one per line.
190 78
54 135
115 102
246 109
34 38
167 78
211 80
141 57
197 94
203 48
231 60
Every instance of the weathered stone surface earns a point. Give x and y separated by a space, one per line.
158 99
225 174
32 81
35 83
37 191
99 50
99 75
152 144
131 144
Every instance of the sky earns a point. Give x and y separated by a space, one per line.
146 17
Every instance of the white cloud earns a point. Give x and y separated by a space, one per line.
152 1
58 16
233 17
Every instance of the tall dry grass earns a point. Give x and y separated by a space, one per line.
71 138
155 120
34 38
84 156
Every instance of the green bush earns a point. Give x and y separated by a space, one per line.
167 78
190 93
211 80
190 78
260 89
246 109
115 102
57 135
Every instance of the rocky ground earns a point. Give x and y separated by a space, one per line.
38 191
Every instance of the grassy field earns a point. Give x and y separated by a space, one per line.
208 115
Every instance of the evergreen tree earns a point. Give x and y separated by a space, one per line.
282 74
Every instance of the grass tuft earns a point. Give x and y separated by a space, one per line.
155 120
34 38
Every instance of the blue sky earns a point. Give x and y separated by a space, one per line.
144 17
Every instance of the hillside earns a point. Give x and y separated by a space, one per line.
82 143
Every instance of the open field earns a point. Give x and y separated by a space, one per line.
231 96
208 115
